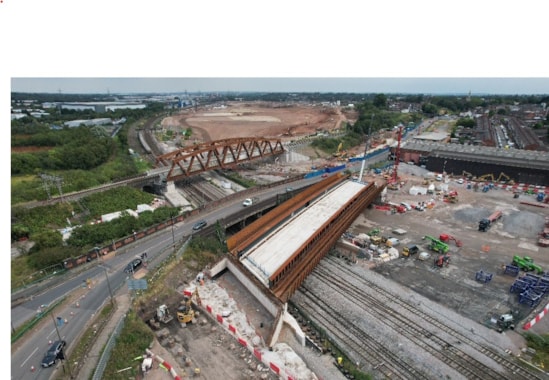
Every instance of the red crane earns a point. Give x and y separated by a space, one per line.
393 183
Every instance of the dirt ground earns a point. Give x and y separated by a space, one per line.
257 120
454 286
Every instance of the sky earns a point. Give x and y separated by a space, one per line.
353 85
304 40
214 45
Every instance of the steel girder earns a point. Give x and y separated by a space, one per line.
220 154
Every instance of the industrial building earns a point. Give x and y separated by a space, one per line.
522 166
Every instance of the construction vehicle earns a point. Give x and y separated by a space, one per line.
442 260
393 183
486 223
339 152
437 245
467 175
526 264
376 239
486 178
451 197
504 177
185 312
163 314
447 238
505 322
409 250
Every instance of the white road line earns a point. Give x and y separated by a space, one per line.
26 360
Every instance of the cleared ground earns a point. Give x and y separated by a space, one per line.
453 286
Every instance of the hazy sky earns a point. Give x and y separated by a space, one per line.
285 39
355 85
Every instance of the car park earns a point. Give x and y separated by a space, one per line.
54 352
133 265
199 225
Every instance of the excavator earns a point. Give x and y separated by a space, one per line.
486 178
185 312
504 177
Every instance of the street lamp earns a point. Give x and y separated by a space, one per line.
108 283
173 234
63 357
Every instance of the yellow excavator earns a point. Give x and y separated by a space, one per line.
486 177
185 312
504 177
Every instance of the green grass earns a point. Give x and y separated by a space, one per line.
135 337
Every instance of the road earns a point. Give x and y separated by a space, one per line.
106 276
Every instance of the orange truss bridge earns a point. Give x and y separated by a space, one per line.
220 154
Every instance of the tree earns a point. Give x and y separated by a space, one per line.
380 101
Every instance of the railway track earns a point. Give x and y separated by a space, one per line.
429 335
365 348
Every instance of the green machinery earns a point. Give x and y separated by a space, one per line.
526 264
437 245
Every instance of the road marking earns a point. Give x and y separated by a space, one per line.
26 360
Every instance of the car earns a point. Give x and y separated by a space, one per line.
324 175
133 265
54 352
460 181
247 202
199 225
289 189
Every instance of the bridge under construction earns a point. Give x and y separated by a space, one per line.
273 256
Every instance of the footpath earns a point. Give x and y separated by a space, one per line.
122 305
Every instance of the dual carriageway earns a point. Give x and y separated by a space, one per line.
278 253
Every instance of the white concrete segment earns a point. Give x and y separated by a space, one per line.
267 255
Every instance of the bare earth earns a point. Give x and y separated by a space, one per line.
256 120
453 286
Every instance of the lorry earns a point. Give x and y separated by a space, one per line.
486 223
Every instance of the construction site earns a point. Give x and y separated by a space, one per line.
408 274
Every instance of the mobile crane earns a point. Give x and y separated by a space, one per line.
437 245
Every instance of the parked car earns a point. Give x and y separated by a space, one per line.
133 265
199 225
54 353
324 175
460 181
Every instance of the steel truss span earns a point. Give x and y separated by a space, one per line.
220 154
